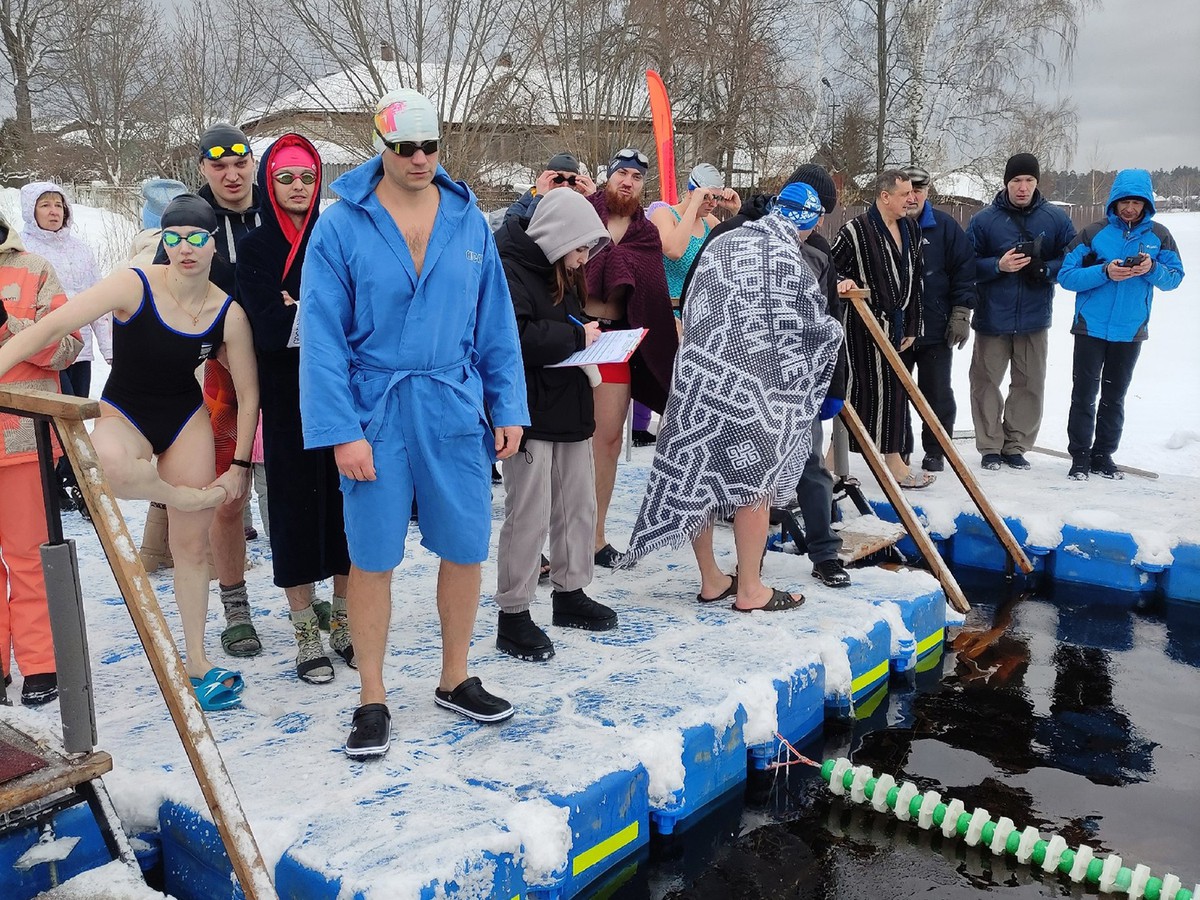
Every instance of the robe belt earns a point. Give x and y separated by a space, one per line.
442 374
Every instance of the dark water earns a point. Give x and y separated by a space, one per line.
1077 712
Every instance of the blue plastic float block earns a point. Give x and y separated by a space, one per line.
907 545
1182 580
924 616
975 545
1091 556
713 762
90 852
799 712
609 821
870 664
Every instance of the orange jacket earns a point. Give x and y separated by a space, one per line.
29 289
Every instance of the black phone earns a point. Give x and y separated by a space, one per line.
1130 261
1027 248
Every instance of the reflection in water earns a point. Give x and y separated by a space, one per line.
1025 721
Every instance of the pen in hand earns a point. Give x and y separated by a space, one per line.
576 321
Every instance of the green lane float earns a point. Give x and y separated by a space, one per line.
906 802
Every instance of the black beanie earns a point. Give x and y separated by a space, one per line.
222 135
1021 164
818 179
188 209
563 162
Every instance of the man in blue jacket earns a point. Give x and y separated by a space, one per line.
1019 241
408 345
947 301
1114 267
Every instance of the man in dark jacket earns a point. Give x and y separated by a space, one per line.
947 300
1019 242
815 490
562 171
308 536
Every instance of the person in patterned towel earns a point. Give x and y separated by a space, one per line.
755 363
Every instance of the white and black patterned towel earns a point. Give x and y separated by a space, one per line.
757 355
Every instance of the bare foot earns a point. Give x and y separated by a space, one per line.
758 599
716 590
189 499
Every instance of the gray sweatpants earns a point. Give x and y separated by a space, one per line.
1008 425
549 487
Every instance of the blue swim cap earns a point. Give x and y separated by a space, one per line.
799 204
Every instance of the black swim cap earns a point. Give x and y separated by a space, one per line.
189 209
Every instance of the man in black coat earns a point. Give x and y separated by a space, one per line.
304 503
815 490
947 300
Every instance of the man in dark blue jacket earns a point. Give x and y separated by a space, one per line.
1019 242
948 298
1114 267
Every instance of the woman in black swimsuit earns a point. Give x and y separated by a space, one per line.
166 321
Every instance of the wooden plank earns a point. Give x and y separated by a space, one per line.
47 403
858 542
999 527
896 496
166 664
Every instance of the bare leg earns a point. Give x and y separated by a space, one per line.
341 584
228 539
125 456
897 466
458 601
299 598
369 604
750 526
713 581
612 402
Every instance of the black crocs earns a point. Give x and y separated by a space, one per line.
470 699
370 733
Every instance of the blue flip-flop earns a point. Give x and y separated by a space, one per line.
215 696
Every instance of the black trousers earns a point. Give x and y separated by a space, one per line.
75 381
1105 367
932 362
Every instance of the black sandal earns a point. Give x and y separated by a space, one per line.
724 595
779 602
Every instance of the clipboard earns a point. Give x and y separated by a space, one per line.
610 347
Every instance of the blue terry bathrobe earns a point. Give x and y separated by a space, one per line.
414 365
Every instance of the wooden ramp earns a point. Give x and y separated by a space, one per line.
30 772
866 535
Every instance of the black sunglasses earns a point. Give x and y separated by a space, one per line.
409 148
564 179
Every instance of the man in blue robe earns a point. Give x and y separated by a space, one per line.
408 346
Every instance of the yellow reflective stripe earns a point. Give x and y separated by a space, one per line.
605 848
868 678
930 642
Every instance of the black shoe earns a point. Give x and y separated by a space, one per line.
1103 465
608 557
575 609
933 463
39 690
497 478
80 504
518 635
1080 465
370 732
1016 461
470 699
65 501
643 438
992 461
831 573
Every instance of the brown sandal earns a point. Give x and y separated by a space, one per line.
779 602
724 595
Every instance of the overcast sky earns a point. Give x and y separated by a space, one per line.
1136 85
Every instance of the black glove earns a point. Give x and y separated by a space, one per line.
958 326
1037 272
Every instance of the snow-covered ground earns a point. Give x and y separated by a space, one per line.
283 747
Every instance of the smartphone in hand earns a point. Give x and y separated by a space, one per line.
1027 248
1130 261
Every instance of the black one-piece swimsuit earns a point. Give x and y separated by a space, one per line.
153 380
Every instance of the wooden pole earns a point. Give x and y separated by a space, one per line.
68 415
907 515
965 475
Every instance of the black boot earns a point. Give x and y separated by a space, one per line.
575 609
518 635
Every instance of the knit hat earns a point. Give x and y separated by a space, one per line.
563 162
918 175
405 115
188 209
1021 164
629 158
223 135
705 175
292 155
799 204
564 220
156 194
818 179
